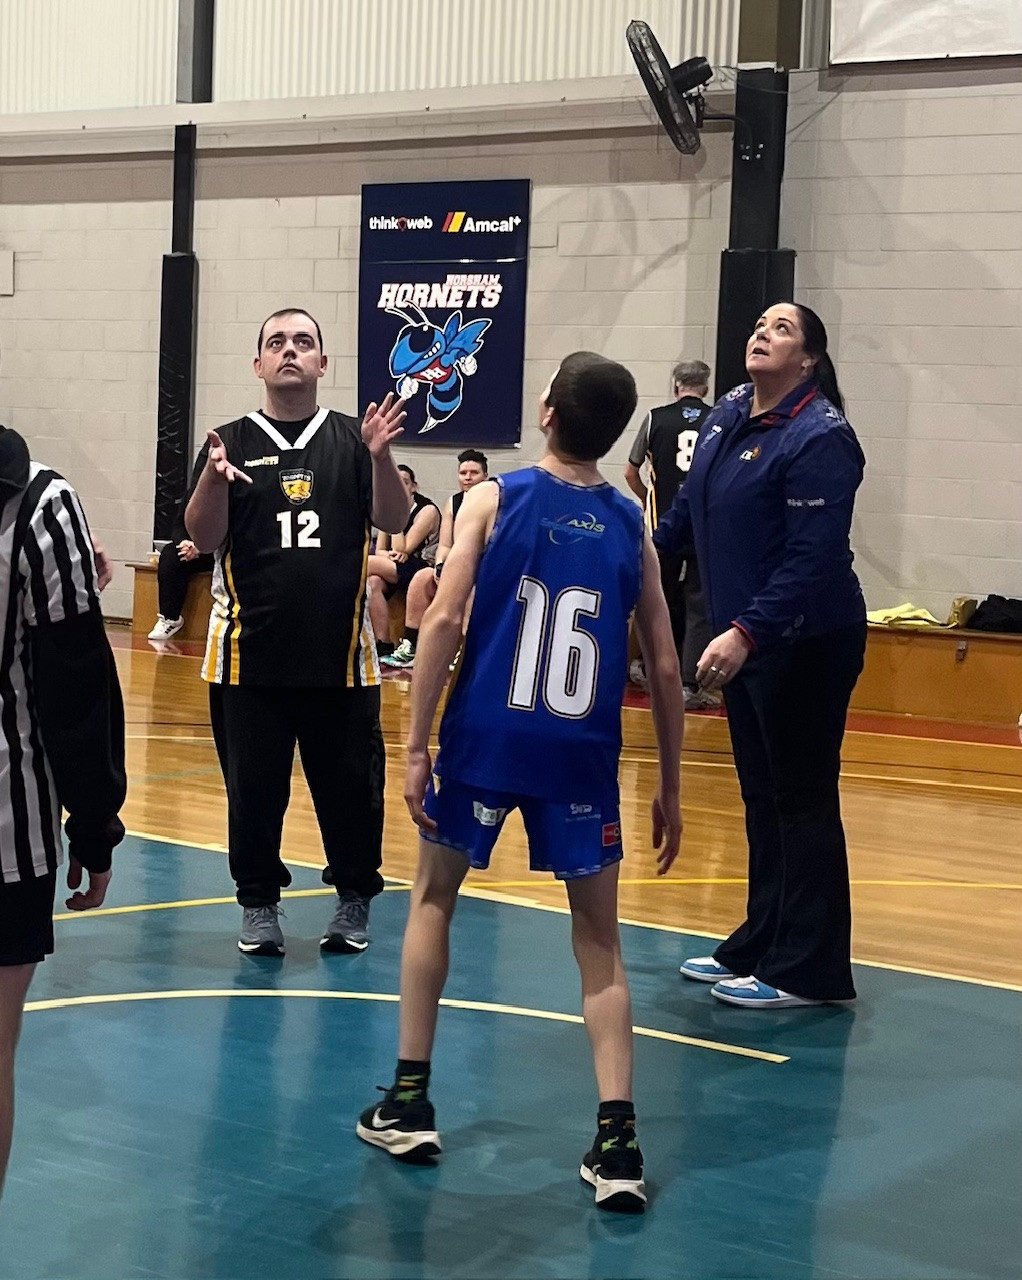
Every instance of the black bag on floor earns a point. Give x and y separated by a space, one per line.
997 613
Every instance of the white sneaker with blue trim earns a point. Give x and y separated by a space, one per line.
704 969
750 993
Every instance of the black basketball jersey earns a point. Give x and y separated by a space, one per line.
289 584
673 432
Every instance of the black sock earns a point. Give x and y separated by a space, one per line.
412 635
617 1118
411 1080
384 647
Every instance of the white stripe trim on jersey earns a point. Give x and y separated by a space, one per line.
279 440
8 854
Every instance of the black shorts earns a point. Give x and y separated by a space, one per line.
26 920
406 571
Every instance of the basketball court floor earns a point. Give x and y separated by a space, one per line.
188 1112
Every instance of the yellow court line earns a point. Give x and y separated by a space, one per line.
136 907
487 894
476 1006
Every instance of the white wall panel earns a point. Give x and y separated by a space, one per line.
893 30
70 55
313 48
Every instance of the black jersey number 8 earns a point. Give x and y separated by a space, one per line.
298 529
572 655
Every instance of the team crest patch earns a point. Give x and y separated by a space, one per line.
297 486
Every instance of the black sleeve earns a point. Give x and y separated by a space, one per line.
81 715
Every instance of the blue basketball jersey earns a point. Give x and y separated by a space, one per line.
536 705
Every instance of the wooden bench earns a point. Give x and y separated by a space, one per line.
145 602
946 674
145 606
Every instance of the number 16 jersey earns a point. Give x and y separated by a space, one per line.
289 582
535 709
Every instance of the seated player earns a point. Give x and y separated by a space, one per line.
472 470
179 561
534 722
399 557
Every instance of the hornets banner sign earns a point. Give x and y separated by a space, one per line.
442 278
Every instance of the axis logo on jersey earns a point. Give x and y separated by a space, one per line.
568 529
297 485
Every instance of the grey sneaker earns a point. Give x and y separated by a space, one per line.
260 931
349 929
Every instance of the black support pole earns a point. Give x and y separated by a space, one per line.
178 301
754 272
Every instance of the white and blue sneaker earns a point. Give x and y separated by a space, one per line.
704 969
750 993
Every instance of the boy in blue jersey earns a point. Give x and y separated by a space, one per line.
559 561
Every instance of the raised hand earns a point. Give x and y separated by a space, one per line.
381 425
218 463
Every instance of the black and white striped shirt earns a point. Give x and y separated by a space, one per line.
47 575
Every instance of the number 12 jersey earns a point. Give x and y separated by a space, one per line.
289 583
535 709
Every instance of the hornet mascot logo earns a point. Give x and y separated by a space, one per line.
438 357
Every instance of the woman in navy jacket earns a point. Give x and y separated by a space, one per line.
767 508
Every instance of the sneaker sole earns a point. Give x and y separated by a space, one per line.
260 948
705 977
412 1148
340 946
786 1002
616 1195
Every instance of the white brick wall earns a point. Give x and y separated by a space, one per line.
79 337
626 236
903 197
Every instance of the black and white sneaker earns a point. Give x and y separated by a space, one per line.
614 1167
407 1130
260 931
348 931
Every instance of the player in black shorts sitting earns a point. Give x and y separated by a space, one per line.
400 556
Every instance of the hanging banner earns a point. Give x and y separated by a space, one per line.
441 307
894 30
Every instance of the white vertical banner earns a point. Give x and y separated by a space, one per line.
901 30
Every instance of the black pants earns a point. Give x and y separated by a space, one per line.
786 713
690 625
338 734
172 577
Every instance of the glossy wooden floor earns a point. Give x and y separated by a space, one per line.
934 825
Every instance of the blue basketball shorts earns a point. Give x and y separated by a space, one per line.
569 840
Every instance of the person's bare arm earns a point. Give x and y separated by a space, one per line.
440 636
423 527
667 698
633 478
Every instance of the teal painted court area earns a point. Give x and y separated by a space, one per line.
212 1135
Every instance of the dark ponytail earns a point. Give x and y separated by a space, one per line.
814 339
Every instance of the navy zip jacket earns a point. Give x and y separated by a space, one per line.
767 508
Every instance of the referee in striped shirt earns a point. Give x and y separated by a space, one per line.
61 729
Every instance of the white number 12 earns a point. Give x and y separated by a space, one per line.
307 522
572 655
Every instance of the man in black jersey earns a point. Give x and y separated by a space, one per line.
667 442
286 499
